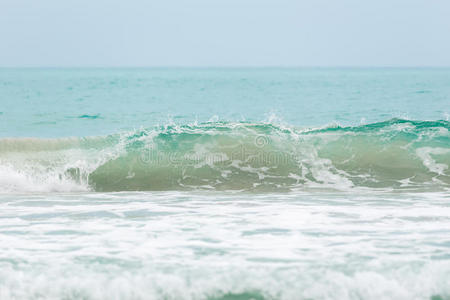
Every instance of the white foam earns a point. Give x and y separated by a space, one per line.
13 180
215 282
425 155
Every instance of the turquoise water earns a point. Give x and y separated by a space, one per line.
85 102
224 183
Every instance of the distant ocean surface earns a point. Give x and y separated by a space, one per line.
263 183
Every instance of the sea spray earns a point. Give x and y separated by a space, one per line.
395 154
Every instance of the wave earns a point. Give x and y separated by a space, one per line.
396 154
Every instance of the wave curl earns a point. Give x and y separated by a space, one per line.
396 154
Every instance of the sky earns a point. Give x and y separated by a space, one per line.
203 33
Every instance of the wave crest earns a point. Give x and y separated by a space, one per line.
395 154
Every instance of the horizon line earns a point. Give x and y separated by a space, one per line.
231 67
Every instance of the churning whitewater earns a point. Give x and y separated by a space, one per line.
397 154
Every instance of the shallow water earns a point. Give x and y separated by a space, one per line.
177 245
224 184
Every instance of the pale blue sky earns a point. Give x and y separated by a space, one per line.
224 33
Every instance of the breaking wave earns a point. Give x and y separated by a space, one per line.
396 154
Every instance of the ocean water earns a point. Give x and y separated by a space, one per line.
225 183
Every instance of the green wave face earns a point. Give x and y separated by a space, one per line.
395 154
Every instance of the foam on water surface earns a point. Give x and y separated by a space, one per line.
206 245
